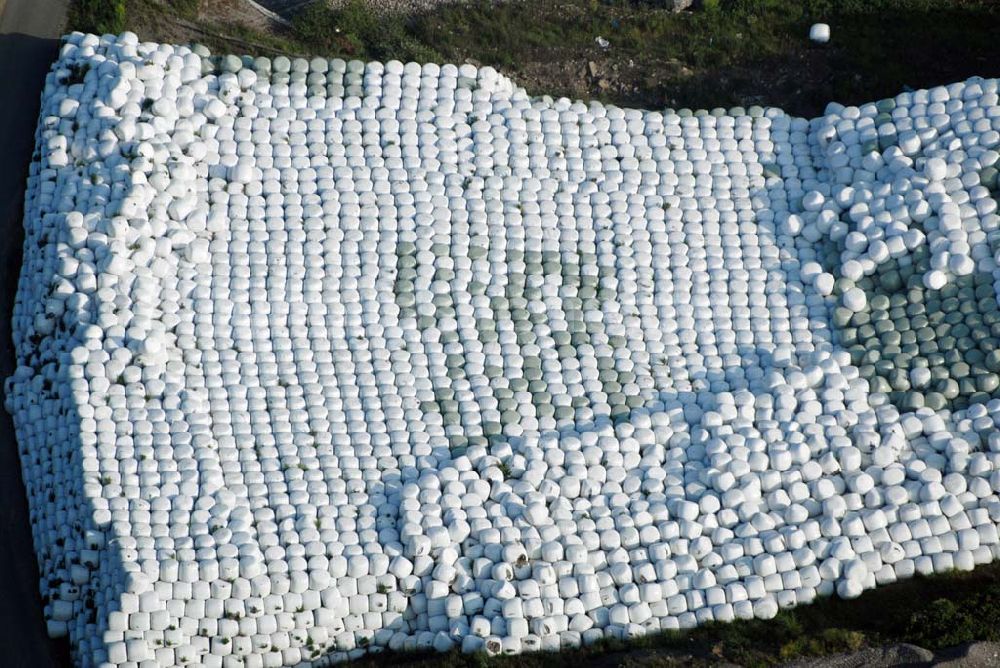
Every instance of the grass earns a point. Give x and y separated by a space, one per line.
98 16
354 31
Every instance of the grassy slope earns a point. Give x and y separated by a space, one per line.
743 52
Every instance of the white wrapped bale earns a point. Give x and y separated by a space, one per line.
327 357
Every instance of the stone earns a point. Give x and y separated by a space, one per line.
901 654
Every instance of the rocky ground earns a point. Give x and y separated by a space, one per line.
970 655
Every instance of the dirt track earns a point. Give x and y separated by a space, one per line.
28 44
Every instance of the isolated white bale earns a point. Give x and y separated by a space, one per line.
819 33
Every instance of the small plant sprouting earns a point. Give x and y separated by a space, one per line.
77 73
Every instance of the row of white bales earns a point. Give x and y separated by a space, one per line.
320 358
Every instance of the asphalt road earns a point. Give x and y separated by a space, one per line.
28 43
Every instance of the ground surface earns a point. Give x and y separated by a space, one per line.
28 29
